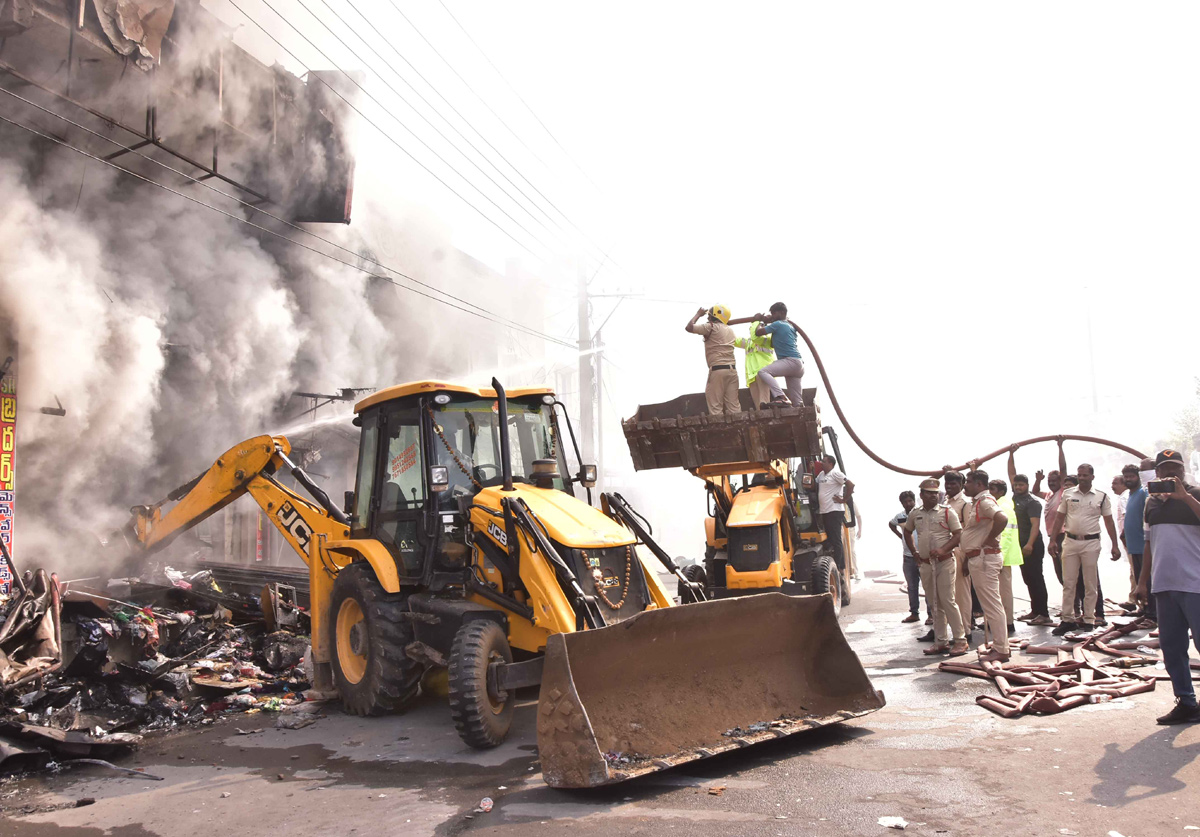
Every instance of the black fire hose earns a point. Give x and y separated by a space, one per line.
937 472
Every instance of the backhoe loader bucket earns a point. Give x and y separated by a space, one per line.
678 684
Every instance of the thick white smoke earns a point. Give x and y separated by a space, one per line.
169 333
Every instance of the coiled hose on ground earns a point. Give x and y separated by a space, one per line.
936 472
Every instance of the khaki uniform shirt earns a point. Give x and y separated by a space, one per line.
957 504
977 520
718 344
934 528
1082 512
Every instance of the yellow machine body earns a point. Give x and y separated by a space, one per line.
535 570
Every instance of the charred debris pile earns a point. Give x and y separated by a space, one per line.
86 670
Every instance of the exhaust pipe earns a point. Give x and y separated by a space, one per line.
505 454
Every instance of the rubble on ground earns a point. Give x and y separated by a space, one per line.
85 671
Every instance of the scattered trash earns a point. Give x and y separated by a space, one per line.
485 805
716 790
859 626
1115 834
226 794
1067 832
82 669
294 721
898 823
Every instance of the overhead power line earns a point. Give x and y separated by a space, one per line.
519 96
449 104
133 150
386 135
426 119
383 107
503 323
467 84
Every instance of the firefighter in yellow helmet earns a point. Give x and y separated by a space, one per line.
721 391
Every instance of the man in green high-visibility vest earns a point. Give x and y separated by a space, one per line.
759 353
1010 548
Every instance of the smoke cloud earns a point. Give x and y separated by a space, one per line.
169 333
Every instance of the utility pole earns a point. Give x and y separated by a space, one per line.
599 356
587 385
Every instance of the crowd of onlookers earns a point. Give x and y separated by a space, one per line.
964 535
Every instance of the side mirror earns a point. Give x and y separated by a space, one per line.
348 503
587 476
439 478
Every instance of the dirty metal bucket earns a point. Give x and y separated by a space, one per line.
671 686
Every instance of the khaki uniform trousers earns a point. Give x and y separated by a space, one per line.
962 587
1006 592
721 392
985 577
1076 554
939 579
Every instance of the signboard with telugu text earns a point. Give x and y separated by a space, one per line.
8 472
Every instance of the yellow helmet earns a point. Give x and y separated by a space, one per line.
720 312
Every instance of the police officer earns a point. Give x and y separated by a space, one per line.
1079 515
983 521
721 390
938 532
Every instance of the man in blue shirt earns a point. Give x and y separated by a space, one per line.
788 363
1172 561
1134 535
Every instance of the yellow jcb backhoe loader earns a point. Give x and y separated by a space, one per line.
762 533
462 546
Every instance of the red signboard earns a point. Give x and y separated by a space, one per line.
8 473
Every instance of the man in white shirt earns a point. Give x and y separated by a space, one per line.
1120 500
833 492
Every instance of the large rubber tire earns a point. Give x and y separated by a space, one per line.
692 572
481 718
367 637
826 578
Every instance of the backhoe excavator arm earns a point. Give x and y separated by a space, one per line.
246 468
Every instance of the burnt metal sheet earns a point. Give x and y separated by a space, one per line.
136 26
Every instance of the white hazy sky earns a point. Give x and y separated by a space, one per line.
946 194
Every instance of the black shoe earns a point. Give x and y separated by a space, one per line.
1012 630
1183 713
926 637
1102 623
1065 628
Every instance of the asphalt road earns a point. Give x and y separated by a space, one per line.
931 756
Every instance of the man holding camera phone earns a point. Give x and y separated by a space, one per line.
1171 566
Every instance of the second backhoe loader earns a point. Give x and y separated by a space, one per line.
464 545
762 533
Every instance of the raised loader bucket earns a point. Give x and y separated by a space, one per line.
670 686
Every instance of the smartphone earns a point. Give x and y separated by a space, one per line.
1161 486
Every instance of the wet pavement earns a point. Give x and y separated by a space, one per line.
931 756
